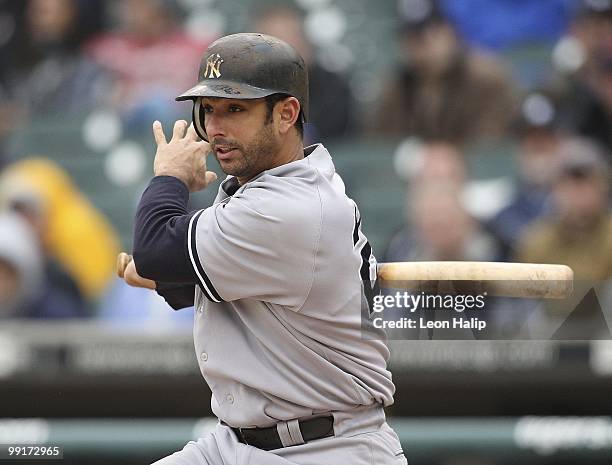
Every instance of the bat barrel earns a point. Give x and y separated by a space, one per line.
528 280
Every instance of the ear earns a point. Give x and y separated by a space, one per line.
288 111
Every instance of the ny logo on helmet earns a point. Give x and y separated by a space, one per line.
213 63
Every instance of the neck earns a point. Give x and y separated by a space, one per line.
293 152
289 151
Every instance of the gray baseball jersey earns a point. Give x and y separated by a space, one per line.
277 328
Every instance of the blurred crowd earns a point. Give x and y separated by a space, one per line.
532 76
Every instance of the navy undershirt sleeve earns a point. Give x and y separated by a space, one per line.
176 295
160 232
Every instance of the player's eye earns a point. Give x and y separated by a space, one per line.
235 108
207 108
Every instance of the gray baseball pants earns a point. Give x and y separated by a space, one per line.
362 437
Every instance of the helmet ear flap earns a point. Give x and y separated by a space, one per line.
198 119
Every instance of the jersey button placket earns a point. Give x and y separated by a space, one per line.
204 356
229 398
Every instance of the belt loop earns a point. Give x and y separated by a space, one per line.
283 434
294 431
289 433
242 437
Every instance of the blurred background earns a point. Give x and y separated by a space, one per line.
465 130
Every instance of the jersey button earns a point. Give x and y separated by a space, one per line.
230 398
204 356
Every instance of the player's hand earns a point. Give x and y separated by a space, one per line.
184 157
126 269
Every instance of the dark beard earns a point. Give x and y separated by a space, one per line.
255 158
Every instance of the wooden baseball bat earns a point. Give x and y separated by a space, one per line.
528 280
494 278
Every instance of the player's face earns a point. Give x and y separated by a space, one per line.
241 134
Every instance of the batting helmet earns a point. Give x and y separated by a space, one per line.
248 66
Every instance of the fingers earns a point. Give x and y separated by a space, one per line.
204 149
203 180
179 129
158 133
123 260
211 176
191 133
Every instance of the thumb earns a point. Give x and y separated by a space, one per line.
211 176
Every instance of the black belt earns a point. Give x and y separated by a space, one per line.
268 438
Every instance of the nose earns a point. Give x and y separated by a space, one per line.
214 126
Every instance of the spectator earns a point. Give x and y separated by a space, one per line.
31 287
592 29
20 265
584 58
601 129
47 74
151 58
433 162
73 232
539 139
440 228
579 231
442 91
59 282
331 106
10 12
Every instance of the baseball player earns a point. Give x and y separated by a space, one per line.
275 268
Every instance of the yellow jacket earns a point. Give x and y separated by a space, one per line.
76 233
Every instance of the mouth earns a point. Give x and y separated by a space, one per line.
224 152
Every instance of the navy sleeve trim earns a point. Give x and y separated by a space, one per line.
204 281
356 228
